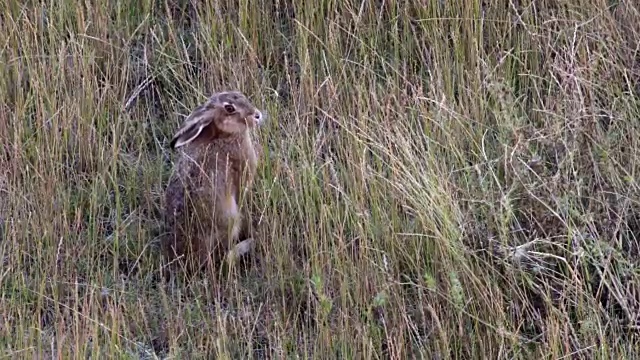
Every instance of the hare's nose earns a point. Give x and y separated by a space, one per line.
257 116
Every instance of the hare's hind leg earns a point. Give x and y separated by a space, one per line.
240 249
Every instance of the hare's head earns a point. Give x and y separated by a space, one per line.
225 113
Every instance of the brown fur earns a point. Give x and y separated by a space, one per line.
203 197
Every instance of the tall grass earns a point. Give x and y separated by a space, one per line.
441 179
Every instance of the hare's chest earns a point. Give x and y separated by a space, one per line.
252 156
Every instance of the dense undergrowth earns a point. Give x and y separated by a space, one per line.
441 179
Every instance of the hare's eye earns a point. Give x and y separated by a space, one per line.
229 108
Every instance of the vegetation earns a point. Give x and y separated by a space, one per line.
442 179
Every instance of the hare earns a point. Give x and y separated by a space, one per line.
217 166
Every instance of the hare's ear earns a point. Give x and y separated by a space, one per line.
192 127
186 135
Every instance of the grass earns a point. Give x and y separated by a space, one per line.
441 179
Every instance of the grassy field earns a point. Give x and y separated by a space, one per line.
442 179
